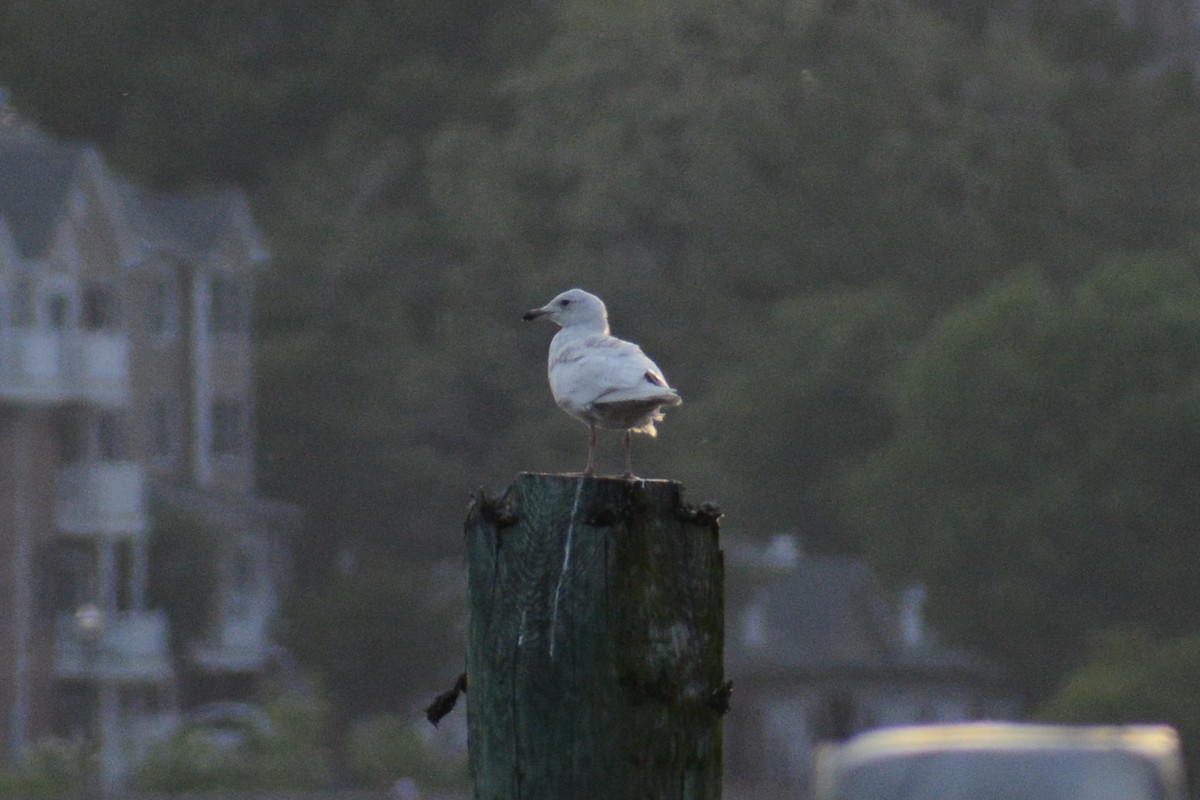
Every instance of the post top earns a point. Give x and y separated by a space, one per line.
575 477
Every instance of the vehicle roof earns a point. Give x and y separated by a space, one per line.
1156 745
1153 741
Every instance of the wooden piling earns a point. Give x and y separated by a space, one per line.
595 642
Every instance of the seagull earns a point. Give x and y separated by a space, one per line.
604 381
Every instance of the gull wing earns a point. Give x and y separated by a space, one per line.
608 370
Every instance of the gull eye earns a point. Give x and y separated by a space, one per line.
564 302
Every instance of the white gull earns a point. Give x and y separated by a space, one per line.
605 381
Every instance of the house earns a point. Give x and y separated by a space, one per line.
126 383
817 652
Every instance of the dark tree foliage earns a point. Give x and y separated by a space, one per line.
816 396
382 635
218 90
1041 475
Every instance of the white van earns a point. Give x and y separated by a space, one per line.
1003 761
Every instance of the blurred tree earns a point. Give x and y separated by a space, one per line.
1040 477
782 425
1128 113
375 357
765 149
382 635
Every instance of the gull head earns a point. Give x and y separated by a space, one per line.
574 308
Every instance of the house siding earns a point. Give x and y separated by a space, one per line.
28 444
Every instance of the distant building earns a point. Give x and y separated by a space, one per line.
125 379
817 653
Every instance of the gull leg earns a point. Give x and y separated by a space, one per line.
628 455
590 470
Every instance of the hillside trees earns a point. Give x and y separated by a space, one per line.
202 90
767 148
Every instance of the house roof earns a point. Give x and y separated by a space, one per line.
190 221
824 615
37 172
825 610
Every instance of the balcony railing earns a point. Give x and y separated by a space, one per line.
50 366
240 639
127 646
100 367
101 498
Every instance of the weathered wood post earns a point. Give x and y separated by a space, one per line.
595 642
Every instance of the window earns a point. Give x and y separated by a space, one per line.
76 700
229 312
87 435
21 303
57 310
75 575
73 441
126 587
100 308
163 419
229 427
110 436
244 577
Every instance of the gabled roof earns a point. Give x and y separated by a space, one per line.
827 615
36 173
190 221
825 611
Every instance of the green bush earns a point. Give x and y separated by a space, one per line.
388 747
1130 677
286 755
51 768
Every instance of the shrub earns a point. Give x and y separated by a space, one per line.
388 747
287 754
51 768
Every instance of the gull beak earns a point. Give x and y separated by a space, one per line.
534 313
